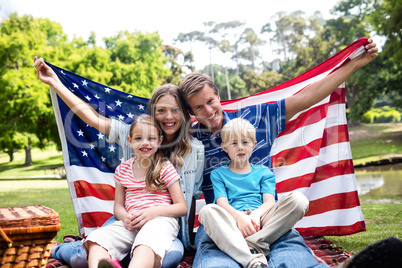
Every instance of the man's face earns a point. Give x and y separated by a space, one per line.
207 109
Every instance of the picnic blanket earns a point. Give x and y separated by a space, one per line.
323 250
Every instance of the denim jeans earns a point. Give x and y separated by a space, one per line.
288 251
75 256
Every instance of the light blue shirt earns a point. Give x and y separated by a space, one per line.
243 191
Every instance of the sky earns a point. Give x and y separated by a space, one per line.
169 18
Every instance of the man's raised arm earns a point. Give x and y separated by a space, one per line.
319 90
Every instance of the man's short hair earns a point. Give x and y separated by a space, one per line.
238 127
194 83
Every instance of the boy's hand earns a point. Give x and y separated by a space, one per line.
245 225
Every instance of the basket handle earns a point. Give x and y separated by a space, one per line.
5 237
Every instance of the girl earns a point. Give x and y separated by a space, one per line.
184 151
146 185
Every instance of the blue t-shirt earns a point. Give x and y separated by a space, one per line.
268 119
243 191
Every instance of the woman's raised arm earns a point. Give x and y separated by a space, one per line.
78 106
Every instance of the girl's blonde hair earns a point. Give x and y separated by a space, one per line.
182 143
152 178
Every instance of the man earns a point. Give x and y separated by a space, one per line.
202 99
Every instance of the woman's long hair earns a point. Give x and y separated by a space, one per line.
175 151
152 178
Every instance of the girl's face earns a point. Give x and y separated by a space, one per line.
168 114
144 140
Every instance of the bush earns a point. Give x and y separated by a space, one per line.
384 114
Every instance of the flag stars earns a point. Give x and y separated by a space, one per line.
121 117
92 146
75 85
130 96
107 90
141 107
118 103
62 72
103 159
84 153
80 133
85 83
112 148
100 136
97 97
121 160
88 98
109 107
130 115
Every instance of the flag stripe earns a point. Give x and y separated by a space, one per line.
333 202
98 190
321 173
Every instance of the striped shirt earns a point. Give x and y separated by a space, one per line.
137 196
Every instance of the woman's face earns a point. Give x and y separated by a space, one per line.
168 114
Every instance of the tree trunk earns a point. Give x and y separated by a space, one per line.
28 154
11 155
227 85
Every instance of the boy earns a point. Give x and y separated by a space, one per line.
245 218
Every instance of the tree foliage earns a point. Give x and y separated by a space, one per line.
131 62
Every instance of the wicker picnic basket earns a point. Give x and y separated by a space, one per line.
27 235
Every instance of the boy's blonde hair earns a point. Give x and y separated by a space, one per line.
237 127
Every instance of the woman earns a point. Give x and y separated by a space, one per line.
186 153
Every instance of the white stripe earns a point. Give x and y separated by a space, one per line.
93 204
339 217
91 175
334 185
306 134
199 204
330 154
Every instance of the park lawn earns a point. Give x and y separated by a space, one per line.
382 221
373 142
43 160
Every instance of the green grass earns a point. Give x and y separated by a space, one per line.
376 141
382 221
49 157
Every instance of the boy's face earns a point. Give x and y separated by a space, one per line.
239 148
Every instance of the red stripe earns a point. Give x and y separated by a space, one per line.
331 135
334 230
321 173
95 219
98 190
314 114
333 202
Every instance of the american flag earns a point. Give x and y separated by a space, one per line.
312 155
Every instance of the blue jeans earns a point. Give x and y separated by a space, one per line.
288 251
75 256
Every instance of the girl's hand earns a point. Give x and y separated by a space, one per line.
45 73
245 225
128 221
143 216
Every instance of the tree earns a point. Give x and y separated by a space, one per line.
190 37
26 108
